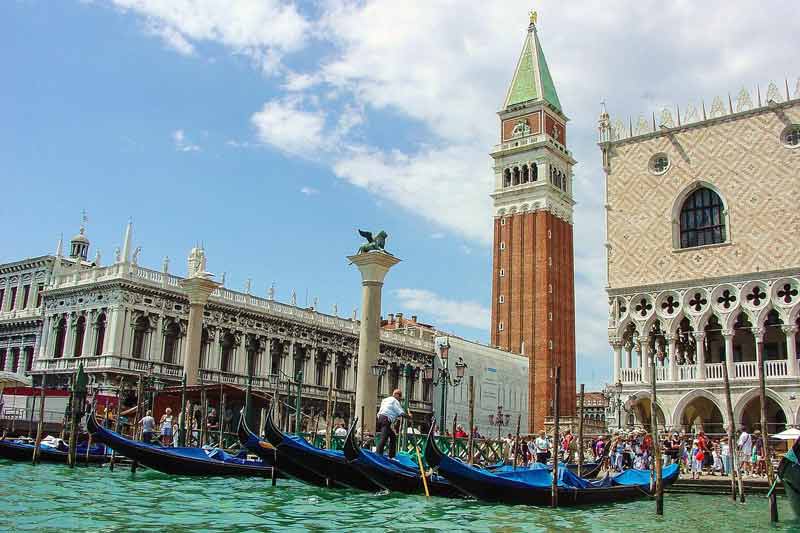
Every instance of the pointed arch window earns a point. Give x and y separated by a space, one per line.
227 352
702 219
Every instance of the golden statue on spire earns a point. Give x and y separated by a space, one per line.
533 16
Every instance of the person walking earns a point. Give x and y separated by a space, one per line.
389 411
745 448
148 424
725 453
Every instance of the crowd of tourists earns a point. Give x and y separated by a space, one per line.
696 454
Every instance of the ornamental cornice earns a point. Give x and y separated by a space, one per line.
708 283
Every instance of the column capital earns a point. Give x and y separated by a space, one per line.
699 335
789 329
373 266
198 289
758 333
728 333
616 343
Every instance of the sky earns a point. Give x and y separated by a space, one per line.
270 131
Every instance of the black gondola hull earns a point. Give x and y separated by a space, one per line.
789 472
16 451
163 460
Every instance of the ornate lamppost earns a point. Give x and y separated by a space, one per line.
613 395
499 419
445 378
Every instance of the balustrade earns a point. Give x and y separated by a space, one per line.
714 370
746 370
687 372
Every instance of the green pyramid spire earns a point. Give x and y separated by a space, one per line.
532 80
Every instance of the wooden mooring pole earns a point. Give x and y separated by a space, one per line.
580 432
329 413
659 488
471 440
39 427
762 393
116 421
453 452
555 446
731 430
203 416
516 447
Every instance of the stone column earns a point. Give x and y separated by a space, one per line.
157 342
699 337
672 343
373 267
20 294
42 346
644 358
791 350
88 335
728 334
629 354
616 345
198 288
758 336
69 338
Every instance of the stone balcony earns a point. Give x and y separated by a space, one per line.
745 370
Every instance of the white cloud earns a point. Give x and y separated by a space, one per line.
444 311
285 124
182 144
261 29
309 191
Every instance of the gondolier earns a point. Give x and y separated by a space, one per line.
389 411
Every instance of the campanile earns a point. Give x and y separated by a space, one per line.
533 288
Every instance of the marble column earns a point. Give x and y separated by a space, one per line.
644 358
88 335
758 336
699 337
791 350
728 334
628 354
198 288
373 267
42 346
672 343
157 342
69 338
616 346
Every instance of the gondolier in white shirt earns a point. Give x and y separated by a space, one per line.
389 411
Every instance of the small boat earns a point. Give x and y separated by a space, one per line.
58 452
271 455
331 465
533 486
178 461
588 470
789 472
395 475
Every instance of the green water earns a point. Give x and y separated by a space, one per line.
55 498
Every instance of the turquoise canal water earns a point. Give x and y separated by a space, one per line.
55 498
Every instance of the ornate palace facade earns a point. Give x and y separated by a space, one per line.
124 320
703 263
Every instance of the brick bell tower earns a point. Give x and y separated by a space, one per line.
533 287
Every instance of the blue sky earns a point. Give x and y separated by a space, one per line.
271 130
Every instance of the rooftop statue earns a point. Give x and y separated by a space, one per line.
376 243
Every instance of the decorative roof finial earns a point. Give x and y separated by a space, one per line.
533 16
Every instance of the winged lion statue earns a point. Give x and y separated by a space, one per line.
374 242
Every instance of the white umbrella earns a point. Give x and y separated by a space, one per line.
789 434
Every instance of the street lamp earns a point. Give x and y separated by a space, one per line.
499 419
613 395
445 378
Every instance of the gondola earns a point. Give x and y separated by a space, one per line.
178 461
393 475
330 465
18 450
588 470
789 472
271 455
532 487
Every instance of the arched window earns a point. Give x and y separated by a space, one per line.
80 329
516 176
702 219
205 342
227 352
534 172
507 178
525 174
61 336
171 333
140 330
100 338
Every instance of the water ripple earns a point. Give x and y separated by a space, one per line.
56 498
